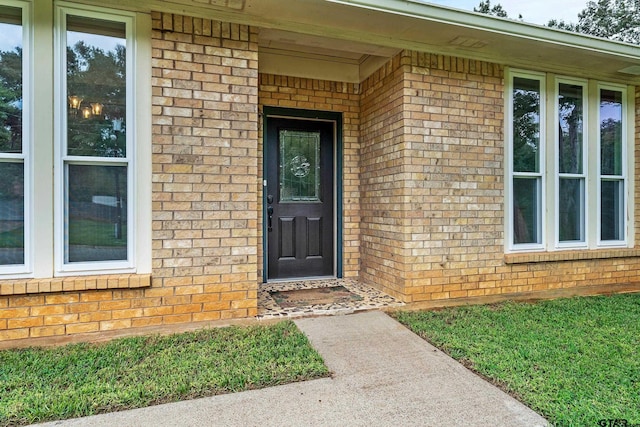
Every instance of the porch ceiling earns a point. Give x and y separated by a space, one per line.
303 55
354 36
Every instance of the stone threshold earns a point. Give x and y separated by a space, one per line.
372 299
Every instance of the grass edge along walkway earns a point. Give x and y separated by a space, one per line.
574 360
45 384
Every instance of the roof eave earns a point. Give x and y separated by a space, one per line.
496 25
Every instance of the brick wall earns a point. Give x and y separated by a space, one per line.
385 222
454 123
205 129
423 191
433 191
205 213
308 94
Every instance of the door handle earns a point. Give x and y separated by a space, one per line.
270 218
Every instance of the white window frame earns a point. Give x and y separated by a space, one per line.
63 160
624 178
591 162
26 158
584 214
542 220
42 132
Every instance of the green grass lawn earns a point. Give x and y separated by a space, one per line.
12 238
84 379
81 232
575 361
95 233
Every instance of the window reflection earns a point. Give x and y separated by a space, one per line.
526 125
10 80
526 161
612 210
611 132
571 128
570 212
12 200
96 87
525 210
611 166
11 213
96 203
96 191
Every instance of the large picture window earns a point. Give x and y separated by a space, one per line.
75 130
567 170
95 148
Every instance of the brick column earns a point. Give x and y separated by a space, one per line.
384 227
431 165
205 133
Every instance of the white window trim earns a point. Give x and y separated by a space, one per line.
142 154
555 171
25 269
626 165
41 138
550 166
542 220
63 160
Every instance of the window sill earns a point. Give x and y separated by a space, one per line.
75 283
578 255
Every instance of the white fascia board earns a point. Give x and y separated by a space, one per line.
483 22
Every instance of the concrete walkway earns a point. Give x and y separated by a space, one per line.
384 375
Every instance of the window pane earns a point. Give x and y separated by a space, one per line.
612 210
299 166
11 213
611 132
526 125
526 210
10 80
570 147
96 213
96 88
571 210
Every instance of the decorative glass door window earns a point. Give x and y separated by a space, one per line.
12 150
299 166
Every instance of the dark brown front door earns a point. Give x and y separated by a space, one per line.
299 198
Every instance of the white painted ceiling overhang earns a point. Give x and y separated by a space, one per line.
346 40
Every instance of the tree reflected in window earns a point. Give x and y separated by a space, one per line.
12 168
96 193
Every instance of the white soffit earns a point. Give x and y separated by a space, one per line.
336 28
506 41
310 56
436 29
277 38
